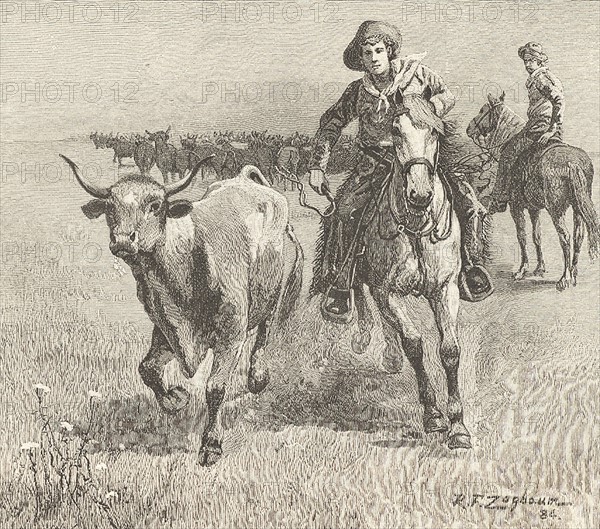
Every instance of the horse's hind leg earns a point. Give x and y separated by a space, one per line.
534 215
578 241
518 215
396 322
362 339
560 223
445 310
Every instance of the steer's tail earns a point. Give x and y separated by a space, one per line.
255 174
582 187
291 290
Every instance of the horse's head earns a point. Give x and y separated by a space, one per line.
416 129
487 120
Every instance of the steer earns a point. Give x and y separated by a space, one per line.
208 274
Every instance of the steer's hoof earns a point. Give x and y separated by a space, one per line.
258 380
174 400
459 440
435 424
210 453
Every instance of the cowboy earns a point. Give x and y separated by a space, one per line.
544 120
374 50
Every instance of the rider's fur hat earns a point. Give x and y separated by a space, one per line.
533 49
389 33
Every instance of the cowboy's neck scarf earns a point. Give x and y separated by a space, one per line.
403 71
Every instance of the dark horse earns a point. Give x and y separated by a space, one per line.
553 178
412 246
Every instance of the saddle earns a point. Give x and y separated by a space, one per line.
524 170
535 152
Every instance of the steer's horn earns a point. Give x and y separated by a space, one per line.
180 185
95 191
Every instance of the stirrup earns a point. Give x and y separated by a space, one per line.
343 318
469 290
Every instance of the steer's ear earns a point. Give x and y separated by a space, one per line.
179 208
94 208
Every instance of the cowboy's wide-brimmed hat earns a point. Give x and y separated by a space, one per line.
371 28
533 49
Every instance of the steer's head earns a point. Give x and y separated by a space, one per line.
136 209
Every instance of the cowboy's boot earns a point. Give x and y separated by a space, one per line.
338 302
474 281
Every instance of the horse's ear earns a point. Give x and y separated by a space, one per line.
502 96
427 93
398 98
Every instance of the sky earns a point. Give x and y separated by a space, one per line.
68 68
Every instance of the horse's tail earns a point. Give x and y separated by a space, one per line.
293 285
582 192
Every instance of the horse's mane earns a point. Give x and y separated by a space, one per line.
422 114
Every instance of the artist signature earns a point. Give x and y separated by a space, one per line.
549 506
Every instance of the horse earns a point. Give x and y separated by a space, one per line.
559 176
412 246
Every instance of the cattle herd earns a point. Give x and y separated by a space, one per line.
232 151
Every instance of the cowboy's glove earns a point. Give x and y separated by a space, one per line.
318 181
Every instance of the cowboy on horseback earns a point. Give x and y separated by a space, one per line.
374 50
544 121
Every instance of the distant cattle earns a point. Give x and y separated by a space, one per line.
208 273
122 147
144 155
166 155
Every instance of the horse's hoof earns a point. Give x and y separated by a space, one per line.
562 284
574 276
459 441
517 276
435 424
175 400
360 342
539 272
258 379
210 453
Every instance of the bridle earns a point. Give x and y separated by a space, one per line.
477 123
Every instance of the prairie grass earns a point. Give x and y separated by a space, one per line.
331 442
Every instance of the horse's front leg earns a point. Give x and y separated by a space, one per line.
445 310
362 339
536 230
518 215
397 325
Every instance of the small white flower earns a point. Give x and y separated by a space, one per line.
111 494
121 446
94 394
30 446
101 466
40 388
66 426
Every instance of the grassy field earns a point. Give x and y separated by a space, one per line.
331 442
